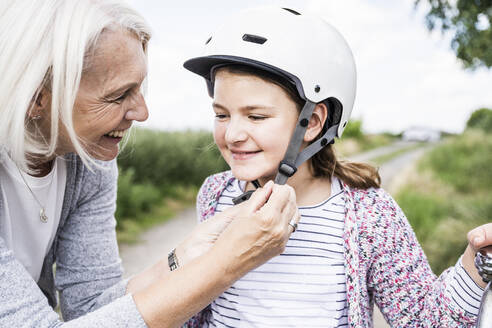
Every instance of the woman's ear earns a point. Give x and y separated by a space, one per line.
316 123
40 104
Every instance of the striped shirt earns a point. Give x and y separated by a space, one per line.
302 287
464 290
384 264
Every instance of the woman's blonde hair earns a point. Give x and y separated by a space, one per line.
324 163
48 44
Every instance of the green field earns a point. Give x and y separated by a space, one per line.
450 195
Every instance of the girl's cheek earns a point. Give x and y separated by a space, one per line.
219 131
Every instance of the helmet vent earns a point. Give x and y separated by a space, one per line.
292 11
208 41
254 38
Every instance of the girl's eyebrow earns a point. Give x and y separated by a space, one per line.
217 105
244 108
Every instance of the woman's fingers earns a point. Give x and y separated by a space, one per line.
294 221
279 198
260 231
281 210
256 201
480 236
258 198
290 212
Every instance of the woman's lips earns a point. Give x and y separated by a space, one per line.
115 136
243 155
116 133
113 140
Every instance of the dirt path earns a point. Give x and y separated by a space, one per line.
158 241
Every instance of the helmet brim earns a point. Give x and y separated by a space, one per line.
205 65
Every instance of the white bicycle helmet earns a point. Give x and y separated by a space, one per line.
302 49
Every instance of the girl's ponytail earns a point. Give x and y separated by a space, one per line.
356 175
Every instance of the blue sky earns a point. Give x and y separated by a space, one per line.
406 76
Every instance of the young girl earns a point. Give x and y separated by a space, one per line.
283 86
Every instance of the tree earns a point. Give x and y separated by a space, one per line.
469 22
481 119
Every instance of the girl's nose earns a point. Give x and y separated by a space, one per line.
235 131
138 110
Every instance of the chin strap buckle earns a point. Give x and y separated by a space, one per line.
287 169
242 198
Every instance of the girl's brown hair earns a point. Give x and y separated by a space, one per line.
324 163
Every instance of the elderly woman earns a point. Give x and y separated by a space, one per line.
72 75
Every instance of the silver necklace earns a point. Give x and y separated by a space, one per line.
42 212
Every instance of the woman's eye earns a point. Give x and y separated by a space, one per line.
220 116
257 118
120 99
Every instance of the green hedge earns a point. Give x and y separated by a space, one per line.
171 158
450 196
465 163
154 165
481 119
353 129
134 198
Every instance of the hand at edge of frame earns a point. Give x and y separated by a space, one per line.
477 238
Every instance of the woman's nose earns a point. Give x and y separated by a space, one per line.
138 110
235 131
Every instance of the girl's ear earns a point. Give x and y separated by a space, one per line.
316 123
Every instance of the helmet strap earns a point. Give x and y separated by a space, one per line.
327 138
287 166
293 158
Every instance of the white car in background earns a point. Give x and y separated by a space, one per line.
421 134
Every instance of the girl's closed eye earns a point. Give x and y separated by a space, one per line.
257 117
220 116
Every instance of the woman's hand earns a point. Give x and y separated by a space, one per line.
477 238
259 233
217 253
203 237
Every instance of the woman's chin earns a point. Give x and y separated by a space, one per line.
106 154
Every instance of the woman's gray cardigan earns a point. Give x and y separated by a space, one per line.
88 268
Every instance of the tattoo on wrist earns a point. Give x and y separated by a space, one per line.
172 260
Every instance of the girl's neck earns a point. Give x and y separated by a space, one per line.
309 190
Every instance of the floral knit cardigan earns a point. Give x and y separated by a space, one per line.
383 260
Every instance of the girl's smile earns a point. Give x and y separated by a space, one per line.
243 155
254 122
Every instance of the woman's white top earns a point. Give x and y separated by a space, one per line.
21 227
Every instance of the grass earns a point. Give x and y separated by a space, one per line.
448 195
129 229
